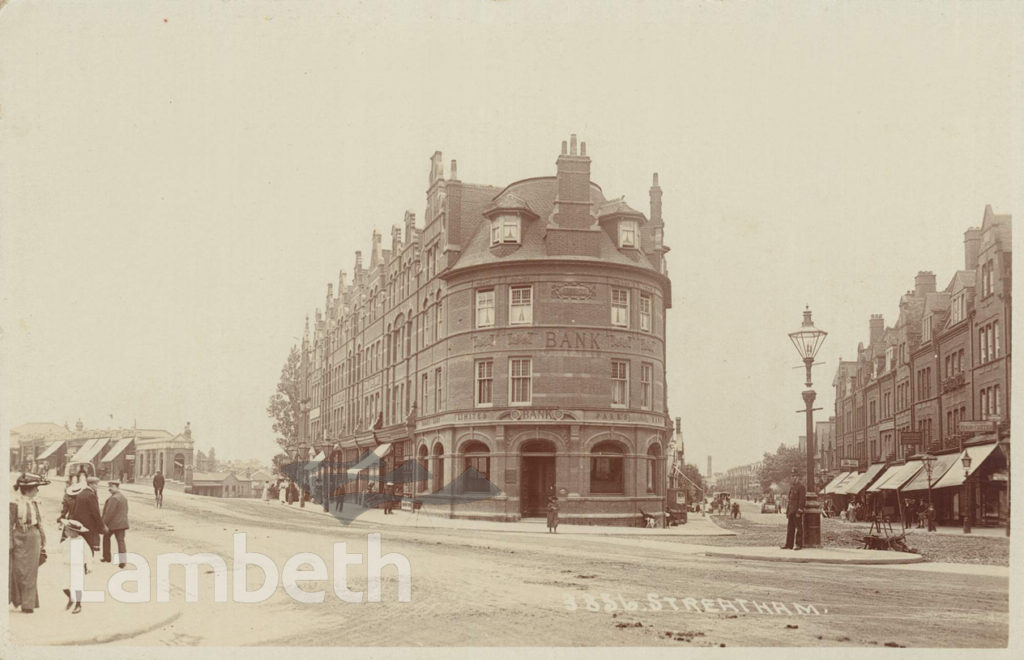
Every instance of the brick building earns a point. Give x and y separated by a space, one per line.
944 362
519 333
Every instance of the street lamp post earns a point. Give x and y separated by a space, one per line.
807 341
966 460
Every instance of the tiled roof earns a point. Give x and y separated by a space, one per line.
615 206
210 476
540 194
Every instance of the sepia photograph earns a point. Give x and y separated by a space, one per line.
432 329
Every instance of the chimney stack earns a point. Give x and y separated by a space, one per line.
359 263
436 168
656 224
410 226
341 282
572 203
876 328
396 240
375 254
972 246
924 283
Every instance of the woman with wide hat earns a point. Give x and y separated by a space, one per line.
28 544
76 553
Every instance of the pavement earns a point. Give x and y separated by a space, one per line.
95 623
696 526
816 555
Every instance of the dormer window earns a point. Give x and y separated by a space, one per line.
627 233
926 329
505 229
959 309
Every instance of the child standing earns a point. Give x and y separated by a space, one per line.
75 557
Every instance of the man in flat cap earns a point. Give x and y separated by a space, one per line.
115 522
795 513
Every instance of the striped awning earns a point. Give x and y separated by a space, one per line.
52 449
955 474
117 449
89 450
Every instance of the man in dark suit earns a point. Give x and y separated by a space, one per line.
795 513
158 488
115 522
86 510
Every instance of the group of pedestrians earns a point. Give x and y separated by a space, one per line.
82 525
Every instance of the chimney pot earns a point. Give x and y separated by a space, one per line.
455 170
565 149
583 148
572 144
655 183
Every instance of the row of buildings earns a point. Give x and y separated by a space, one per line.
518 332
126 454
936 381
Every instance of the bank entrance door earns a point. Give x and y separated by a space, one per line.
537 475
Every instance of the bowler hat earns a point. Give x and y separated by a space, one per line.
113 482
75 488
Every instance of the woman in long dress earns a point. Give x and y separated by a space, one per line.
552 511
28 544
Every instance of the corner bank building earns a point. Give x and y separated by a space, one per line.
520 333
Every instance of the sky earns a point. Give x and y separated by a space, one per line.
180 181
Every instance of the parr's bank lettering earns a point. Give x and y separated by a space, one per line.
584 340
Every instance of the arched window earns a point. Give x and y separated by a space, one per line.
423 457
438 467
653 474
607 468
476 467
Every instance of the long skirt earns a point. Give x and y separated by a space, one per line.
24 569
552 518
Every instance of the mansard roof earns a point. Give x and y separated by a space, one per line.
539 195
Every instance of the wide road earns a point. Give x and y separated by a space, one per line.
479 588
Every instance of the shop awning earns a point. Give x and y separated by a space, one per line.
314 464
840 488
51 450
886 476
955 474
866 477
89 450
939 467
906 472
835 482
371 459
117 449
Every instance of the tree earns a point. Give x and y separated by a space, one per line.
285 405
777 468
693 484
211 460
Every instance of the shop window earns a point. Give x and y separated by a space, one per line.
607 469
476 468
